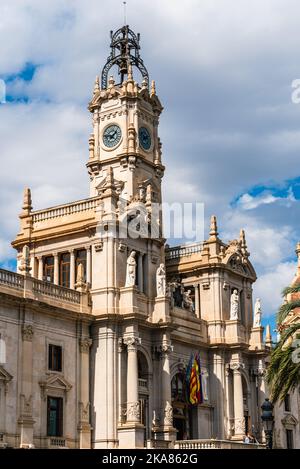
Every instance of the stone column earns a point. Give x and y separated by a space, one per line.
88 265
40 267
239 419
261 373
166 349
84 427
218 393
197 301
228 403
56 268
25 420
133 405
140 273
166 430
72 269
120 387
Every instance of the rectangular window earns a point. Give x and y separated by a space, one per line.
287 403
54 416
49 269
55 358
81 259
289 439
65 270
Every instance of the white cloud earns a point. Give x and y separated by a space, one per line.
249 202
270 285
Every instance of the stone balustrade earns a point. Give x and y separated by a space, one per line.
55 291
65 210
29 287
177 252
216 444
143 384
56 442
11 279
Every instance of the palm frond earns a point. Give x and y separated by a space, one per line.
285 309
283 375
294 289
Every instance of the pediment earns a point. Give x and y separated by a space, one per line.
56 382
4 375
289 421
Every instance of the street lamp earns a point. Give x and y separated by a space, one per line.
268 421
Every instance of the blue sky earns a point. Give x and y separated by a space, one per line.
230 131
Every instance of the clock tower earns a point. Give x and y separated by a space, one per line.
126 170
125 139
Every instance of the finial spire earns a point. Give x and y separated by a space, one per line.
153 88
27 202
268 339
130 74
213 227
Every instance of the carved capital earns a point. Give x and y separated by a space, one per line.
120 345
132 343
27 333
85 344
237 367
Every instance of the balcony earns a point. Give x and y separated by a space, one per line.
28 287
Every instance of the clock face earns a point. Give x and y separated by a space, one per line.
145 138
112 135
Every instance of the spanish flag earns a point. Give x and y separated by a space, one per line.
194 387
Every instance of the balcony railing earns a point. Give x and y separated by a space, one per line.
67 209
11 279
177 252
55 291
143 384
216 444
29 287
55 442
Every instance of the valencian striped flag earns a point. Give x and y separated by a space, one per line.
193 380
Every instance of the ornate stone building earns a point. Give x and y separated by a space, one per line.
287 413
98 325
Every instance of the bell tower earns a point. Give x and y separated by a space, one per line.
125 123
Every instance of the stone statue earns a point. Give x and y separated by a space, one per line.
257 313
188 302
234 305
80 273
161 281
131 270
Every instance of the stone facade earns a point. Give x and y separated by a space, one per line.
287 413
124 347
